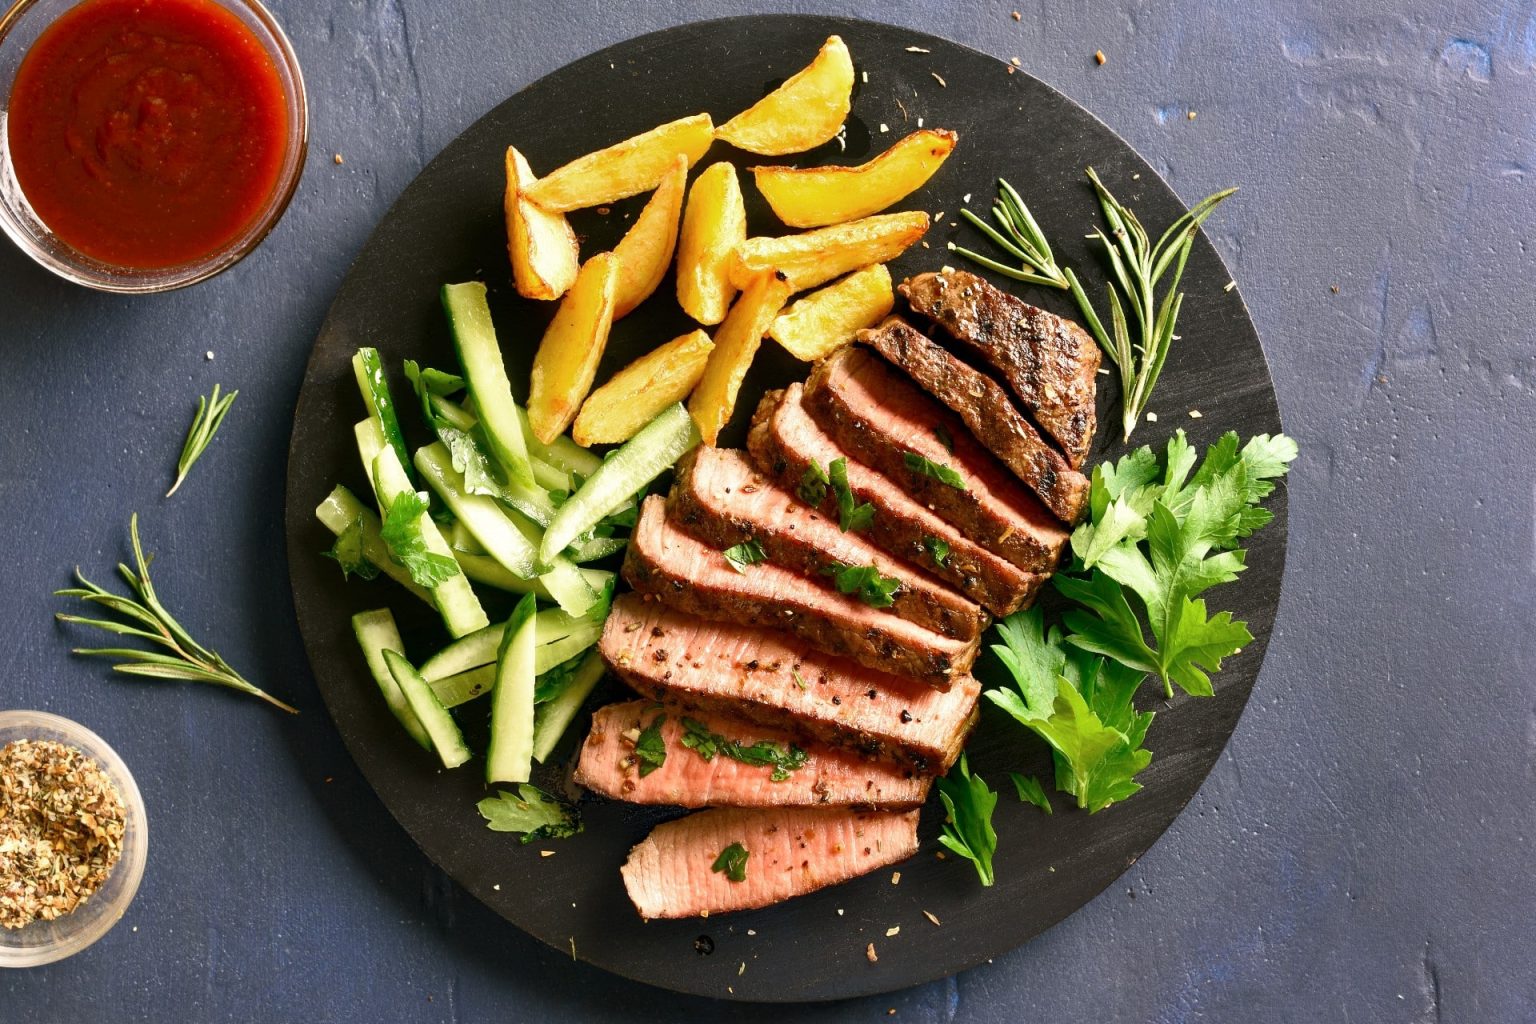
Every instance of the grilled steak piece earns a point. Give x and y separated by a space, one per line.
693 577
813 773
766 676
790 851
1048 361
877 416
784 440
987 411
720 498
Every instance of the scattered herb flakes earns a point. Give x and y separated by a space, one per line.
968 806
651 747
937 470
407 545
799 679
937 549
866 583
347 552
783 759
1031 791
895 877
732 862
747 553
932 918
813 484
851 515
532 812
869 952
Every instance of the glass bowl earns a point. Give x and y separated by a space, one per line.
19 28
43 942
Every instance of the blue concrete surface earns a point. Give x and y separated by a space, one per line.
1362 853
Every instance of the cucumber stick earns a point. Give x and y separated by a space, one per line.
552 719
447 740
510 757
480 647
474 336
545 475
562 452
340 509
369 370
486 570
376 633
481 515
462 687
642 459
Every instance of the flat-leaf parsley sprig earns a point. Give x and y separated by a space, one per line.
210 414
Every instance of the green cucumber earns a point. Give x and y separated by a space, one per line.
462 541
545 474
474 336
559 637
376 633
642 459
510 756
447 740
596 547
483 517
369 370
562 452
370 441
465 686
550 720
340 510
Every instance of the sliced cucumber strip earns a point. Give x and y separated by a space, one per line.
483 517
562 452
567 584
447 740
376 633
466 686
559 637
642 459
595 548
340 510
552 719
474 335
510 757
462 541
370 441
545 474
369 370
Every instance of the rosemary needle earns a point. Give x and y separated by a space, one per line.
147 619
205 423
1021 237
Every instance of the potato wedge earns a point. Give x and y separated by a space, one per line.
805 111
811 197
714 224
645 251
545 256
638 393
566 362
826 320
815 257
736 343
624 169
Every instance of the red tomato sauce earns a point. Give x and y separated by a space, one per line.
148 133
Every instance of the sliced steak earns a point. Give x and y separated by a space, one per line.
784 441
1048 361
876 415
766 676
723 500
987 412
790 851
813 773
693 577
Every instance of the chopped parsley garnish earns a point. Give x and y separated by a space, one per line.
744 554
940 472
799 679
865 581
1031 791
813 485
348 553
937 549
732 861
698 738
534 813
851 517
407 546
650 747
968 807
552 683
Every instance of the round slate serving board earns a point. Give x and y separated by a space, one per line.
447 226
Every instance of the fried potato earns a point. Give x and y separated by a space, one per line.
811 197
646 249
714 224
624 169
825 321
736 343
573 344
805 111
545 256
638 393
815 257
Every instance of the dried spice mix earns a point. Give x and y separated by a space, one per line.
61 830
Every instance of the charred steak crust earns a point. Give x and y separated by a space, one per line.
987 411
721 498
900 525
1049 361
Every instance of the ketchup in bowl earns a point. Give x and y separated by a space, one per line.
148 133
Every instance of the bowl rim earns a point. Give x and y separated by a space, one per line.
105 277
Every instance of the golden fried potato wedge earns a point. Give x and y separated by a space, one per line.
815 257
714 224
811 197
646 249
545 256
573 344
736 343
624 169
826 320
805 111
638 393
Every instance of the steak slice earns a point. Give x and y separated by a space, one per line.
986 410
790 851
720 498
608 765
693 577
784 441
1049 362
765 676
877 415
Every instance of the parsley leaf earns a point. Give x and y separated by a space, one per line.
651 746
732 861
402 535
698 738
813 485
1031 791
865 581
851 517
427 382
937 549
534 813
927 467
968 807
553 682
348 553
747 553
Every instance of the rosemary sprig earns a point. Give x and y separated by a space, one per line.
1140 349
205 423
146 619
1021 237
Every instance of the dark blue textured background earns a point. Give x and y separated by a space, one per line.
1363 851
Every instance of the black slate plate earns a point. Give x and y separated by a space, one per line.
447 227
